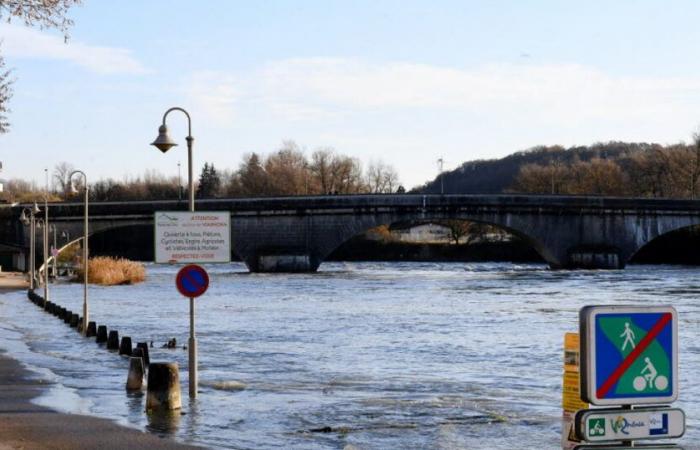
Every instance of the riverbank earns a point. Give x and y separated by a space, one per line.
12 281
25 425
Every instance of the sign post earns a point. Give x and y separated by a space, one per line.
571 391
192 237
192 281
629 357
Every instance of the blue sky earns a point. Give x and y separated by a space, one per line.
401 81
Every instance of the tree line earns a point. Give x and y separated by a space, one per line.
671 171
288 171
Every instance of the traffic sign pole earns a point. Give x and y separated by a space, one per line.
192 353
192 281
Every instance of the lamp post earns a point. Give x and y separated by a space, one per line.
86 312
31 212
164 143
441 162
54 250
46 239
179 183
41 225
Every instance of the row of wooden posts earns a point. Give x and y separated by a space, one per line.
163 386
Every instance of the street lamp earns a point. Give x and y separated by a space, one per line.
41 225
164 143
54 250
31 212
85 248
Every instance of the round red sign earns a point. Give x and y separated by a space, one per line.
192 281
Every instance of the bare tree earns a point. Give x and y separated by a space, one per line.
61 182
381 178
39 13
5 95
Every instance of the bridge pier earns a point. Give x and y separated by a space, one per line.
292 263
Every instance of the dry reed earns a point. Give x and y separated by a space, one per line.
108 271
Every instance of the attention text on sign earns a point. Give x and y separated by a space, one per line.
192 237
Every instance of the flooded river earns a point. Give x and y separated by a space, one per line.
359 355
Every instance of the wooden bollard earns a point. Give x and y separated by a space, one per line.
144 347
125 346
101 334
56 310
67 317
137 353
113 340
47 306
134 381
91 329
74 320
163 387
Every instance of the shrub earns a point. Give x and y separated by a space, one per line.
108 271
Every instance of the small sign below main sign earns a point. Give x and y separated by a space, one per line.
606 425
629 355
192 281
192 237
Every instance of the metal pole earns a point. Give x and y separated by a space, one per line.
193 339
46 240
55 270
192 364
86 316
31 252
179 182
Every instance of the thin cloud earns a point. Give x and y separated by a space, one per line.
312 88
23 42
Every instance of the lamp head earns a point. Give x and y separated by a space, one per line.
163 142
23 218
35 209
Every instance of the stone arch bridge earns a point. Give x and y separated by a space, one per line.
296 234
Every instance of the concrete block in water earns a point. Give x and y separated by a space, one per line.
125 346
163 387
74 320
101 334
144 347
113 340
91 329
134 381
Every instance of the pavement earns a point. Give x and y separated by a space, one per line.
13 280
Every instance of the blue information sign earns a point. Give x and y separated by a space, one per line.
629 355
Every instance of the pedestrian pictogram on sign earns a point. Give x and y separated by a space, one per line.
192 281
629 355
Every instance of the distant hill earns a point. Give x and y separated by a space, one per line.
496 176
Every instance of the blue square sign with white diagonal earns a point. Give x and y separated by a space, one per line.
629 354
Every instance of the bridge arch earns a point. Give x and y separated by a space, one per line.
302 243
673 238
528 240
